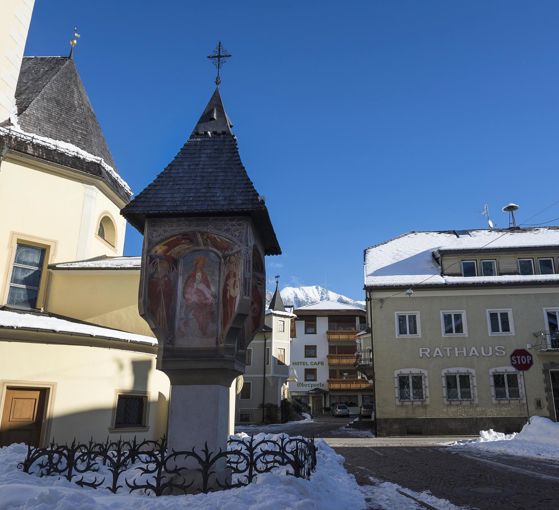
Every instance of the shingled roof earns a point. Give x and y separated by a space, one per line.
206 178
53 107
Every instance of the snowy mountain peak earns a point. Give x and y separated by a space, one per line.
309 295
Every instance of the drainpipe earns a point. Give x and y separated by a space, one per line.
264 381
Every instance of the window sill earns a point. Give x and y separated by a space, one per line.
501 334
116 430
456 335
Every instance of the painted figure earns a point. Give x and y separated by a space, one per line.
231 291
198 295
161 284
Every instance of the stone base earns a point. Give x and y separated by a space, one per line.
446 426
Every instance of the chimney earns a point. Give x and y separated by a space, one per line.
14 25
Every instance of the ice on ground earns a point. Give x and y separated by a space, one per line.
390 496
331 487
539 438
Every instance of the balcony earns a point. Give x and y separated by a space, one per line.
364 363
349 384
340 360
547 341
334 335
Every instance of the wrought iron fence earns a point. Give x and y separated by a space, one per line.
149 466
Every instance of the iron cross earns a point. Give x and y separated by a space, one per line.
219 57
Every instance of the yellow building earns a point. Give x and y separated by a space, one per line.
76 359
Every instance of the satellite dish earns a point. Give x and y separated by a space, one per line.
491 224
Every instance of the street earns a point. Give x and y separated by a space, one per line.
464 477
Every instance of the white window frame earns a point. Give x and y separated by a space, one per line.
410 372
533 268
462 267
494 267
281 326
464 323
278 361
499 310
417 320
546 323
473 385
552 265
250 391
505 371
248 357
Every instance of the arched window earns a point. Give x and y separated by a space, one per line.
107 230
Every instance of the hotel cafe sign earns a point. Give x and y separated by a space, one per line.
483 351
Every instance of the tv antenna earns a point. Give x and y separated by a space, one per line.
485 212
510 208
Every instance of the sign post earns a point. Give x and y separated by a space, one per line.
522 360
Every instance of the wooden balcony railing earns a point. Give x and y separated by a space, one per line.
341 336
348 360
349 384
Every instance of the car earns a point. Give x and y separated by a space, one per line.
367 411
339 410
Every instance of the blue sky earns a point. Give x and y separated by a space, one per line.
357 120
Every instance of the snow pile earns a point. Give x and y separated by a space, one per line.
103 262
330 488
273 427
539 438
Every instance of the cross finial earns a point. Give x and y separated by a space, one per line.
277 277
73 42
219 57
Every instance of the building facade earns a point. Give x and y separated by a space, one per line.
446 310
323 357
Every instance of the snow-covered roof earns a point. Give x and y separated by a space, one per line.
103 262
329 305
408 259
45 322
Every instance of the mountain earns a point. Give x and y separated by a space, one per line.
309 295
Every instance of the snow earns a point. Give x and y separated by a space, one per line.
408 259
539 438
308 295
274 427
330 305
330 488
103 263
17 320
61 146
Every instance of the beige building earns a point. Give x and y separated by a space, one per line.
446 310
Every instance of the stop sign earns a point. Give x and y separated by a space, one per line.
521 359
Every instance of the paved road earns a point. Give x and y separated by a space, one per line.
466 478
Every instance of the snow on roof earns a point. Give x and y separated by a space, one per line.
408 259
102 263
329 305
44 322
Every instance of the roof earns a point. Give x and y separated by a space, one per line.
53 108
206 178
42 321
276 303
323 306
409 259
102 262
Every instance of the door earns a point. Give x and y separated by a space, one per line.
316 404
23 416
554 375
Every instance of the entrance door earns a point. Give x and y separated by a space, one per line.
23 415
554 375
316 404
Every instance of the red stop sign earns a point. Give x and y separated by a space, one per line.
521 359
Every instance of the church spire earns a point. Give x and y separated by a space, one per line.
276 304
214 119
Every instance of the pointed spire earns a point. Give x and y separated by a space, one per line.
214 119
276 304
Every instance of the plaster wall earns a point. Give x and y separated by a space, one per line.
83 383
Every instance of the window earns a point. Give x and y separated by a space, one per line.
244 417
310 351
552 326
26 276
246 391
469 268
342 323
130 411
500 322
546 266
407 324
310 374
453 323
506 384
107 230
281 356
525 266
310 325
411 387
281 326
267 355
489 268
458 384
248 357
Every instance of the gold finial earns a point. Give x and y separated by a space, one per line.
74 41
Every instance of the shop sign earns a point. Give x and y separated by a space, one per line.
308 363
483 351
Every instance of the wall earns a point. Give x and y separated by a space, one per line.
392 353
14 25
52 209
84 382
